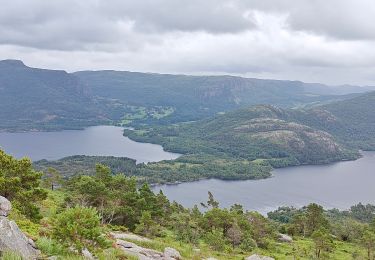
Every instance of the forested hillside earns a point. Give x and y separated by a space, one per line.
351 121
260 134
38 98
195 97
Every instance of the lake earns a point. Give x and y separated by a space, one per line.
96 140
339 185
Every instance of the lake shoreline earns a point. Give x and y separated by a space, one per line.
337 185
105 140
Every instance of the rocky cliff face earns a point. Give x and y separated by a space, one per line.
11 237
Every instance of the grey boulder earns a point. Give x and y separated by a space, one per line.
5 207
12 239
171 253
259 257
146 253
285 238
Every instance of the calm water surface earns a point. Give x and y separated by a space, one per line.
338 185
97 140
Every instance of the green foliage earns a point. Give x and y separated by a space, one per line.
215 239
306 221
114 254
365 213
10 255
147 226
248 244
79 213
51 179
21 185
118 200
323 242
347 229
50 247
86 165
283 214
80 228
30 227
186 227
368 241
315 218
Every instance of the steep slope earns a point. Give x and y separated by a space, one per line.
261 132
195 97
352 120
39 98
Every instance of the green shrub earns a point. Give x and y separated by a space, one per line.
248 244
79 228
216 240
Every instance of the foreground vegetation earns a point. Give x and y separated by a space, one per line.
65 217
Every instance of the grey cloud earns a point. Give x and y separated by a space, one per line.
311 40
348 19
215 16
71 24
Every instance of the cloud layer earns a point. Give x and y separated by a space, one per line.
314 41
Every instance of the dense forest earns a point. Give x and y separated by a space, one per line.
67 217
351 121
261 136
186 168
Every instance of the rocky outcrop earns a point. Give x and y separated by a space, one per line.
285 238
259 257
5 207
87 254
129 236
146 253
171 253
11 237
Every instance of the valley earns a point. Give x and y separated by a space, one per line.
269 151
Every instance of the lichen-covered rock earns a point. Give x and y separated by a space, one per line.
146 253
87 254
259 257
12 238
285 238
5 207
138 251
171 253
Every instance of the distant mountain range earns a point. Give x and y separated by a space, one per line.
196 97
33 98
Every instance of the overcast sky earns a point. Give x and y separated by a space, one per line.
329 41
